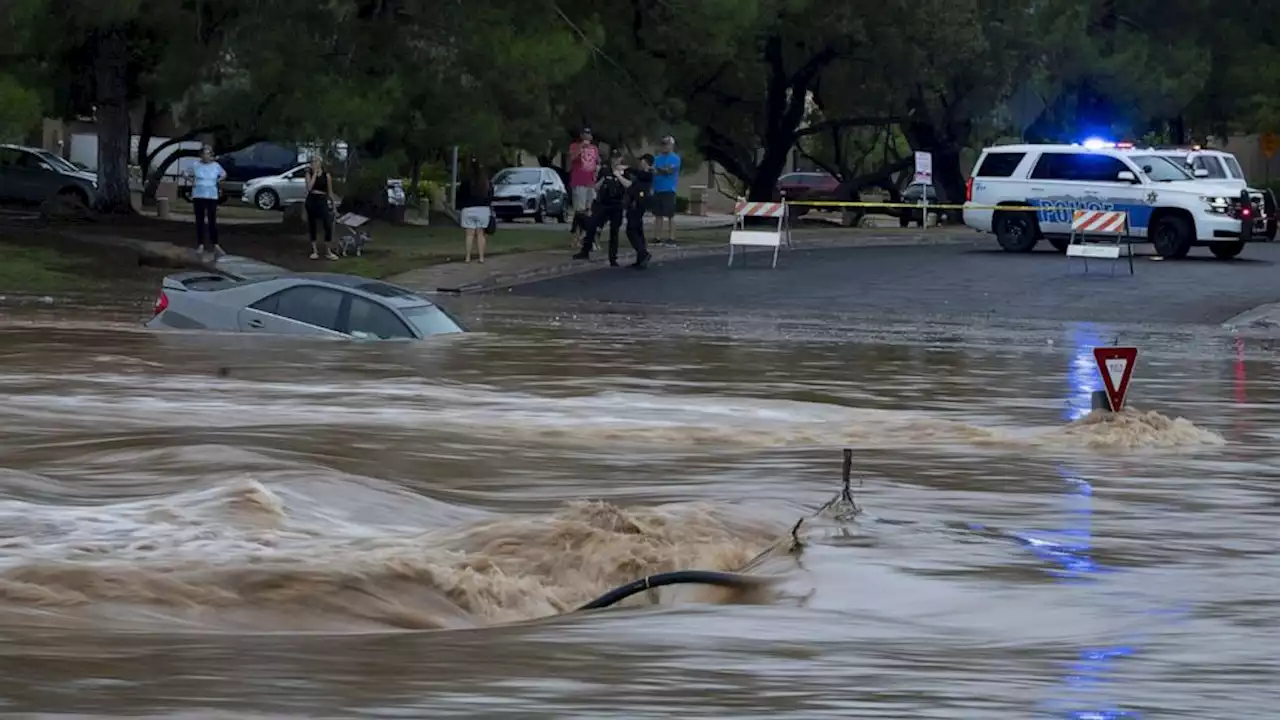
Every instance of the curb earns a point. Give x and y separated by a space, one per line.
1263 316
510 280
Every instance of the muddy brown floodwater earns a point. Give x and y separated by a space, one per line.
340 529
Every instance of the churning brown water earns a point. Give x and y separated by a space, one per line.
339 529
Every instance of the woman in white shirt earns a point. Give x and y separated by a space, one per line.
207 177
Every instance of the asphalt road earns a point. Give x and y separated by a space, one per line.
944 281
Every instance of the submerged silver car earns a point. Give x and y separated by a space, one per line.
324 304
273 192
529 192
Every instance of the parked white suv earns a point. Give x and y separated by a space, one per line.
1167 205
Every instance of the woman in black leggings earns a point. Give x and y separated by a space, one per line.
319 201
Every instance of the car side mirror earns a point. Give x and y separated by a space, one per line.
1200 172
1126 176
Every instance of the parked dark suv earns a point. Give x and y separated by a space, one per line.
258 160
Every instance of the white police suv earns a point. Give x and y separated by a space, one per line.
1043 185
1221 168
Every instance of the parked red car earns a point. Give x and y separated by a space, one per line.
815 186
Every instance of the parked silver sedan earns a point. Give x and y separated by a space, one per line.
273 192
316 304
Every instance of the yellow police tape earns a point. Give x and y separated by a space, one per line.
931 206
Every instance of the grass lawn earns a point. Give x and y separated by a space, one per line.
232 209
39 264
57 261
37 270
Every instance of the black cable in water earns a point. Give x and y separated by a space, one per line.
679 577
736 581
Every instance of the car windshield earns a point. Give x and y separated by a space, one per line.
518 176
57 161
1161 169
431 320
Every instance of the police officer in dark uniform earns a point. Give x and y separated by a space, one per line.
611 196
639 182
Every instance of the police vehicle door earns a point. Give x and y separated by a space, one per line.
1063 182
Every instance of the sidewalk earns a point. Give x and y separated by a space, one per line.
683 222
507 270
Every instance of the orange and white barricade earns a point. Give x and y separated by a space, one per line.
775 238
1100 234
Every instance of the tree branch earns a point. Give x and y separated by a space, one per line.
842 124
832 170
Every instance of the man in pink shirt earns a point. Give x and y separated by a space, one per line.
584 164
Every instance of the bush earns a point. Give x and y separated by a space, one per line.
429 190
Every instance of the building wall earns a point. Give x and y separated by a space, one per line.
1257 167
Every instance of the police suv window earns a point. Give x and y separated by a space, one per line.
1212 165
998 164
1234 168
1081 167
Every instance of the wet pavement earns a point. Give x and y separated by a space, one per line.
974 280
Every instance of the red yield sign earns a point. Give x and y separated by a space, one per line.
1115 364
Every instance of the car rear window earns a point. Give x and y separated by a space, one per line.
998 164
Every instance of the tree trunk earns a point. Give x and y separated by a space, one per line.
765 179
111 83
1178 129
142 158
948 178
548 161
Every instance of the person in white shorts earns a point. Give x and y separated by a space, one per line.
584 163
475 198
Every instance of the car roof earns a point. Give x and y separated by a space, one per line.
1029 147
1132 150
395 294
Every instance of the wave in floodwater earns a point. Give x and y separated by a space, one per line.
237 556
623 419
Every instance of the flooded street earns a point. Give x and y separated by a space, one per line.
216 526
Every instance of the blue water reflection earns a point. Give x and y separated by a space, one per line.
1068 551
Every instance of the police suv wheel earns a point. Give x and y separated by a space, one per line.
1060 244
1171 237
1015 231
1226 250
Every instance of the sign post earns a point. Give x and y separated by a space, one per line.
924 178
1115 364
